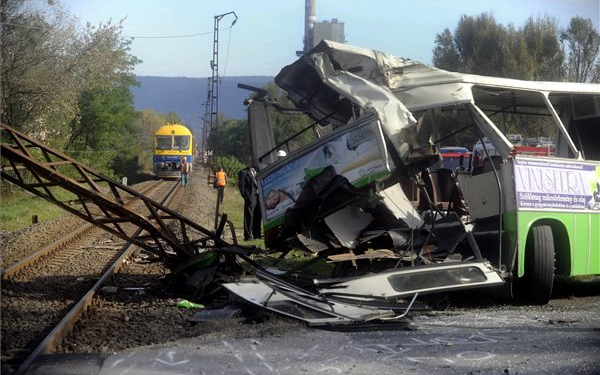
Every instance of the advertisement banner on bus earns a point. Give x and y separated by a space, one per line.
557 184
358 155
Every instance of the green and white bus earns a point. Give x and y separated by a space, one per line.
529 216
545 206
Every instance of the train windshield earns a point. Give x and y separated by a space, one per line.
182 142
163 142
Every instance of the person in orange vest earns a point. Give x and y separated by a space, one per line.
220 183
185 171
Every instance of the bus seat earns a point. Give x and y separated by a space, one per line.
411 190
447 192
477 170
496 160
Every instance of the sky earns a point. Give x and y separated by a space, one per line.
268 33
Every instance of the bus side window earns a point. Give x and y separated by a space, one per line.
588 134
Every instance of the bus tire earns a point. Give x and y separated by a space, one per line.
539 265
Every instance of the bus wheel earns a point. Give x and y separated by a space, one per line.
539 265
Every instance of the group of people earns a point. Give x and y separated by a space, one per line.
220 180
248 187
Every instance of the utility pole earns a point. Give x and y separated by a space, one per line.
214 97
215 81
206 124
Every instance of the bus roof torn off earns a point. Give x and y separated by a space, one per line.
363 194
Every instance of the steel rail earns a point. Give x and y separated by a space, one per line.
62 329
8 272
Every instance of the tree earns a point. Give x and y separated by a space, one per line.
47 63
173 118
544 55
146 124
445 53
68 87
480 45
105 136
483 45
234 140
582 42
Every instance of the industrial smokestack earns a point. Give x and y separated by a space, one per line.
310 17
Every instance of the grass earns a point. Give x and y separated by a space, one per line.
233 206
18 207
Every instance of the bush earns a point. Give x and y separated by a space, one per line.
230 165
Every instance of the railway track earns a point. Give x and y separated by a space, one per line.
31 259
56 284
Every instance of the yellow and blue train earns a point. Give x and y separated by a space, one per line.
171 143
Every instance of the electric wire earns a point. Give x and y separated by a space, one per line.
227 53
124 36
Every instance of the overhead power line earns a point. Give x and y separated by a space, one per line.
166 36
124 36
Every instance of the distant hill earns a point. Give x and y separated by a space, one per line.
186 96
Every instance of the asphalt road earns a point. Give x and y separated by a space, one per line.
560 338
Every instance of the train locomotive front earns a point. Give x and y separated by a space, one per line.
171 143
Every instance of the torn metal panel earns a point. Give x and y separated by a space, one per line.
309 307
330 81
347 224
370 254
402 208
422 279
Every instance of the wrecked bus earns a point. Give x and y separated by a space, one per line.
363 194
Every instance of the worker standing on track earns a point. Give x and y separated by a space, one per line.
185 171
220 183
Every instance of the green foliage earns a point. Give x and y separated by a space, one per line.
583 43
233 139
173 118
536 51
68 86
234 135
544 57
445 54
286 125
483 45
105 135
480 45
